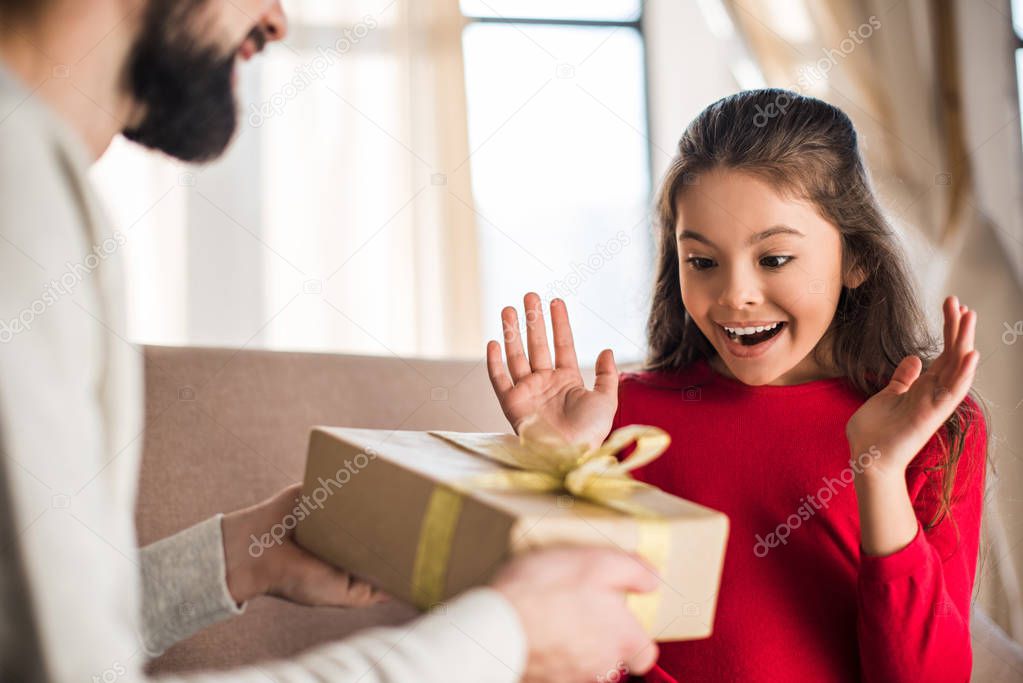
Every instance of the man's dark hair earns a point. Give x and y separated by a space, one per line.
20 8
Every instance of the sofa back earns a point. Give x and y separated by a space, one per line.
227 428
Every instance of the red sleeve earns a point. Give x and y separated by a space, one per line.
914 604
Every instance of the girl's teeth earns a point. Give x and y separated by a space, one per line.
750 330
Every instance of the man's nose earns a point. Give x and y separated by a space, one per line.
274 23
740 289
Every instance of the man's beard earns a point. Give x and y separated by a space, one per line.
185 89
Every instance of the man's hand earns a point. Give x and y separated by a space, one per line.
262 558
572 605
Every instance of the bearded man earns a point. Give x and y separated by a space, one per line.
80 600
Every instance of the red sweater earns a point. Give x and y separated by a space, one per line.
812 608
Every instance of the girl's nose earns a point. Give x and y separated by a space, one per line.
741 290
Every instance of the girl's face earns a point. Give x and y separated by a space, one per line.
751 258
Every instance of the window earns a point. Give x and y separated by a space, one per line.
324 226
560 163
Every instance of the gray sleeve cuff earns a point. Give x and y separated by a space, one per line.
184 585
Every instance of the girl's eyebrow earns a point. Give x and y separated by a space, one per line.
753 239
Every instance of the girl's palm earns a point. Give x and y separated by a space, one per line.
900 419
555 392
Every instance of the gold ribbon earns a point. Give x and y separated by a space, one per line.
434 549
541 461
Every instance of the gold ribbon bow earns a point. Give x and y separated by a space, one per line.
543 462
540 460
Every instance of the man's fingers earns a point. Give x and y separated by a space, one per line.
644 658
607 373
499 377
518 364
350 591
536 334
564 343
354 592
621 571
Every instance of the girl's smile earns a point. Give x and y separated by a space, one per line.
751 340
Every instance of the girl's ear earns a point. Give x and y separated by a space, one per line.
854 277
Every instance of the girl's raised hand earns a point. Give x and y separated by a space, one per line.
900 419
555 392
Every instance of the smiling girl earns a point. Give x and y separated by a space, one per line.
805 398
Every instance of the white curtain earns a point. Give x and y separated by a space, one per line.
340 218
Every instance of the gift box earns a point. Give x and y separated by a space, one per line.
427 515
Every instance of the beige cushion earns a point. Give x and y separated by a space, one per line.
226 428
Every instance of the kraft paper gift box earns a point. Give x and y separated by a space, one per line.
425 518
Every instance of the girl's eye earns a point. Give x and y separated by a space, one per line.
699 263
775 262
772 262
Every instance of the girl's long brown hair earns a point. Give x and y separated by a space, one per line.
806 148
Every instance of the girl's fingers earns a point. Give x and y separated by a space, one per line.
564 344
959 385
906 373
536 334
969 369
967 330
499 377
518 365
950 311
963 344
607 373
